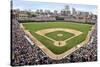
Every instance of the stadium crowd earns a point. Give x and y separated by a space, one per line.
23 53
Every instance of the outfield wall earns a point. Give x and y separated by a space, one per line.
53 19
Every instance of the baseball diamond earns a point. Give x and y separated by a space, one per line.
58 40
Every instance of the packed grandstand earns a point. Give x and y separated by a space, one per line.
23 53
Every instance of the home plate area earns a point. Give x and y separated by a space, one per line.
59 43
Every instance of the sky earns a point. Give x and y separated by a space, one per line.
34 5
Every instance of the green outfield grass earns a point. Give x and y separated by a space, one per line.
36 26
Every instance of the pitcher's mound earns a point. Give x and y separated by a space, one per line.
59 35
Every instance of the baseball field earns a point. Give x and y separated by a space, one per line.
58 39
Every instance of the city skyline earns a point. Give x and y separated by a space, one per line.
34 5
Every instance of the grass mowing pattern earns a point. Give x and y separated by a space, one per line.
33 27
